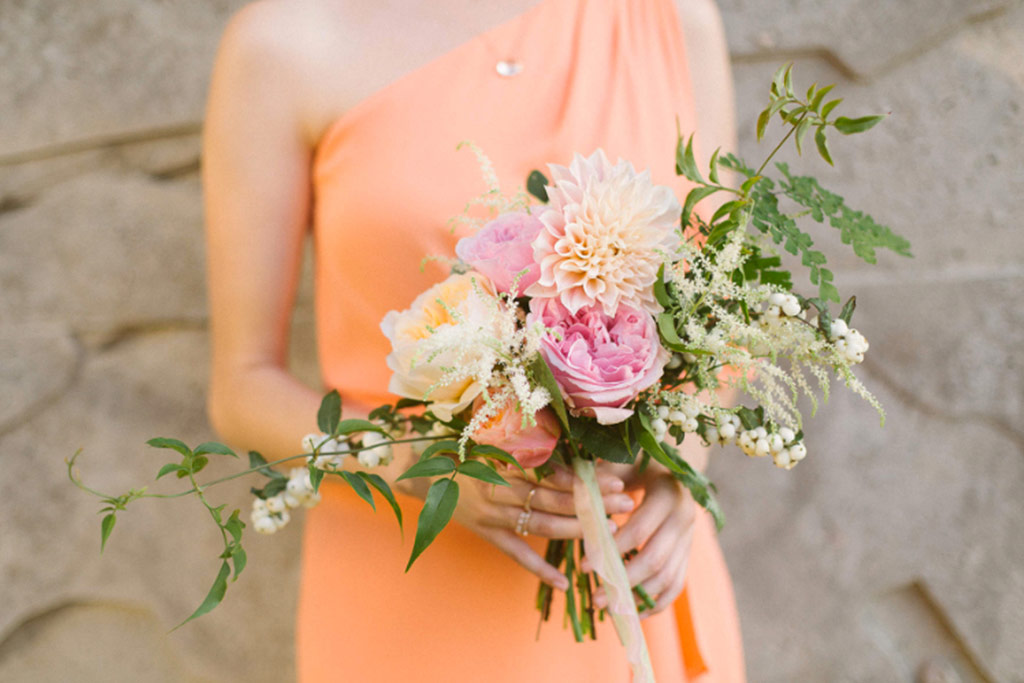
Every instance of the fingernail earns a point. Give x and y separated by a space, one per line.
625 503
585 566
562 584
617 485
612 525
599 601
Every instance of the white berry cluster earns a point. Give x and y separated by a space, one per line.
684 417
272 514
782 445
376 450
783 304
333 451
850 343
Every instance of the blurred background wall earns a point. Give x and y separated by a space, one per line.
889 555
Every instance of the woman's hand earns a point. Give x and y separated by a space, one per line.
494 512
661 529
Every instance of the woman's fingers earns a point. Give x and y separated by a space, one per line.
562 480
550 499
521 552
537 522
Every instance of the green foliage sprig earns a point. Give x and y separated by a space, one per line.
757 198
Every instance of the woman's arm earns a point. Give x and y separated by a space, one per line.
256 188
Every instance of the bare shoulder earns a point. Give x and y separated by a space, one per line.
286 48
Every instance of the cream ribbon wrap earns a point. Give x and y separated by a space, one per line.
604 557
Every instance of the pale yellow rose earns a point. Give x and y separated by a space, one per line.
442 330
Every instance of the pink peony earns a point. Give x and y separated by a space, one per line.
607 229
530 446
502 249
601 362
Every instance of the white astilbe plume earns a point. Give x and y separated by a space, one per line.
490 351
493 200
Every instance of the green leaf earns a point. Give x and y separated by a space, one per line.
536 184
801 133
827 109
257 460
409 403
543 376
788 77
478 470
239 558
762 123
354 425
170 443
848 126
495 453
822 144
779 79
661 293
819 97
847 313
686 164
214 447
749 184
106 526
429 468
437 511
445 446
360 487
748 418
197 464
727 208
377 482
605 442
692 198
713 166
316 475
669 336
234 526
168 468
214 597
329 415
828 292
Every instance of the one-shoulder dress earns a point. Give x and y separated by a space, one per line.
387 179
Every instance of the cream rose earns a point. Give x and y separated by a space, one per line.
436 351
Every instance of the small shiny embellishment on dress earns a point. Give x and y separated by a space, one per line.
508 68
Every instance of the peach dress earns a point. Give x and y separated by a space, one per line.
387 178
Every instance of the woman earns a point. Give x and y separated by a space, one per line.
345 114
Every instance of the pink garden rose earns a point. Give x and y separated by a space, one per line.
502 249
530 446
601 362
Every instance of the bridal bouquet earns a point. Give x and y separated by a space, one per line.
595 318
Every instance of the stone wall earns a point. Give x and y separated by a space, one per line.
889 555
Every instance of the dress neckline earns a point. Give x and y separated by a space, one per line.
334 128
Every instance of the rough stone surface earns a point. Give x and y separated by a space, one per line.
862 36
161 555
144 653
888 554
105 251
38 365
75 59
